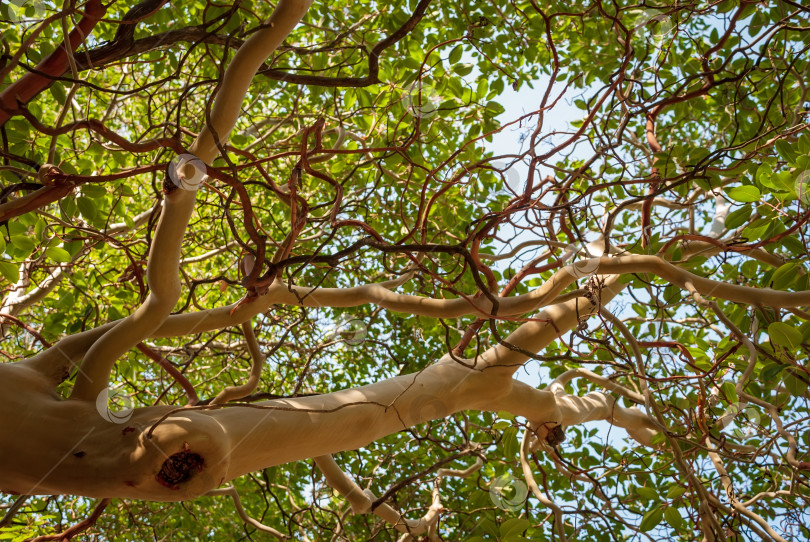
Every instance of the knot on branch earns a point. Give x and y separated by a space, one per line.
185 171
49 174
555 436
179 468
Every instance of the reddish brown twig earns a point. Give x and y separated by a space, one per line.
16 321
28 86
78 528
59 185
178 377
531 269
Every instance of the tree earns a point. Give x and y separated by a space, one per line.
274 254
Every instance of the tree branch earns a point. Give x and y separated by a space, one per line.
164 254
54 65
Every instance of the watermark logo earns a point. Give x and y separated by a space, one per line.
187 171
740 420
508 493
25 9
348 330
653 24
513 182
115 405
581 268
425 408
421 100
650 29
802 186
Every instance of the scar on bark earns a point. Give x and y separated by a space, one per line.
179 468
556 436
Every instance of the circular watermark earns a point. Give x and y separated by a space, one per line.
25 9
802 186
653 24
115 405
513 182
421 100
650 29
187 171
426 408
740 420
508 493
348 330
581 268
247 264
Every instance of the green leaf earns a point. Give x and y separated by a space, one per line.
494 108
763 175
786 151
39 229
784 276
463 69
647 493
94 190
10 271
349 98
73 247
737 218
511 446
23 242
795 385
481 88
675 491
58 92
455 54
674 518
745 193
784 182
514 527
651 519
87 207
784 335
58 254
729 392
770 372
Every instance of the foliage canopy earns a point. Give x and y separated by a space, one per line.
371 143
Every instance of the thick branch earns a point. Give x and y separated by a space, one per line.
378 294
239 74
164 254
54 65
233 393
195 449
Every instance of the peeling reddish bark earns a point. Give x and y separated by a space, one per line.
34 200
54 65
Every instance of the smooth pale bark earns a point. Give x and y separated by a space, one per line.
74 446
164 291
164 254
69 447
380 295
60 358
